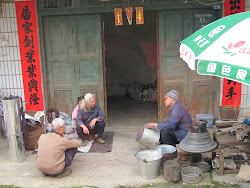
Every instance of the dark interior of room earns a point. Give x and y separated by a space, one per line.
131 61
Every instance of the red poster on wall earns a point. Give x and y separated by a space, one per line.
139 15
118 16
29 51
231 94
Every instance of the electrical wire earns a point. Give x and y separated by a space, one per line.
210 3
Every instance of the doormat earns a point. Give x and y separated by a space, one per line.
103 148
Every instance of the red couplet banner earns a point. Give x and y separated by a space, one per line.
29 50
231 94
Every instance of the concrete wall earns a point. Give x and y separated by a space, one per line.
11 82
245 99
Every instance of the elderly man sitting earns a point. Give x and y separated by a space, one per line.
174 130
56 152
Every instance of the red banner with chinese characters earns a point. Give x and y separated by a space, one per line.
234 6
231 94
129 13
118 16
29 51
139 15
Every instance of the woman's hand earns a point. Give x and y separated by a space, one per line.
85 129
92 123
150 125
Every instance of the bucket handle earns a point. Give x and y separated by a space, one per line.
144 160
235 104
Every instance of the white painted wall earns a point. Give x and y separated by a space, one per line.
11 82
245 99
247 5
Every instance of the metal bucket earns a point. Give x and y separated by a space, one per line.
168 151
12 122
149 162
191 174
147 138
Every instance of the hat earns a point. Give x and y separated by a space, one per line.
173 94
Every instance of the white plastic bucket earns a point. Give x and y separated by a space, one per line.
149 162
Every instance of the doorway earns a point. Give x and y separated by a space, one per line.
131 71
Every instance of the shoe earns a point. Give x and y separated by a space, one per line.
43 175
84 143
100 140
67 172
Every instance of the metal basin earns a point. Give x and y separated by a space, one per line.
168 151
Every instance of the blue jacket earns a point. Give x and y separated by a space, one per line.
179 121
86 118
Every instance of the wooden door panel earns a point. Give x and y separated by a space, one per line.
173 27
61 75
89 56
198 94
63 95
89 34
171 68
205 103
58 29
73 50
89 72
59 63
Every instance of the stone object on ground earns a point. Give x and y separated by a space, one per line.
171 171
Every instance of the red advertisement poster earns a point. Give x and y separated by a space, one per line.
231 94
139 15
129 13
118 16
29 51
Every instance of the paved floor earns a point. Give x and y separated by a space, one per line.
104 170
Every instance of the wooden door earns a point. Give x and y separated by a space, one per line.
199 94
73 53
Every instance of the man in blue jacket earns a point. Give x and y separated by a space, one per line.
174 130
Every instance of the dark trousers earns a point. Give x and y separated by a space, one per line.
98 129
69 155
168 137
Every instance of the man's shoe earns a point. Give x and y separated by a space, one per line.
43 175
67 172
100 140
84 143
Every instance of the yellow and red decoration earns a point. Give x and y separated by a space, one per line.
139 15
118 16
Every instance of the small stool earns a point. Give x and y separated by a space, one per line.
183 156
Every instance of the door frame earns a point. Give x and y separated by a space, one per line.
104 71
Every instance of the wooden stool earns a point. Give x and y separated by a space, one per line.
188 155
183 155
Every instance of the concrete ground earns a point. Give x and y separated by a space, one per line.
117 168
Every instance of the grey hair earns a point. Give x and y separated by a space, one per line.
85 102
57 123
